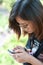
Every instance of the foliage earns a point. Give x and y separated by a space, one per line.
11 42
1 1
5 58
8 3
4 21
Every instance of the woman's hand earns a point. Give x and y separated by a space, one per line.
21 55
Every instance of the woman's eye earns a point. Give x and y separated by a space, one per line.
23 25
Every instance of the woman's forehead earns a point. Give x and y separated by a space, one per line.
20 20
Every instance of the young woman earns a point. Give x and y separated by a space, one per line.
28 15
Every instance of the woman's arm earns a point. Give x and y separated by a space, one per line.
34 61
22 56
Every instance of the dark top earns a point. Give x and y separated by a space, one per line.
34 48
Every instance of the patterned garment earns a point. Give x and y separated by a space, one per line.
40 57
28 45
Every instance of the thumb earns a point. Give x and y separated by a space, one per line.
27 50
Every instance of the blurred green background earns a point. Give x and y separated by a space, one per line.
8 40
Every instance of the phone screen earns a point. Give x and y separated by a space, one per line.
11 51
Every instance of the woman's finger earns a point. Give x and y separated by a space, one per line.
18 51
16 56
29 50
18 47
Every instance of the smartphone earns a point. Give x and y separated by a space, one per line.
11 51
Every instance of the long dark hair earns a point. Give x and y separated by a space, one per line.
27 10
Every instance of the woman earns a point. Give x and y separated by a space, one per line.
28 15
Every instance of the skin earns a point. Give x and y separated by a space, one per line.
21 55
28 26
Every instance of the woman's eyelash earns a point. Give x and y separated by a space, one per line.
23 25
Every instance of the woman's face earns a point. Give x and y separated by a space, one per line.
27 26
